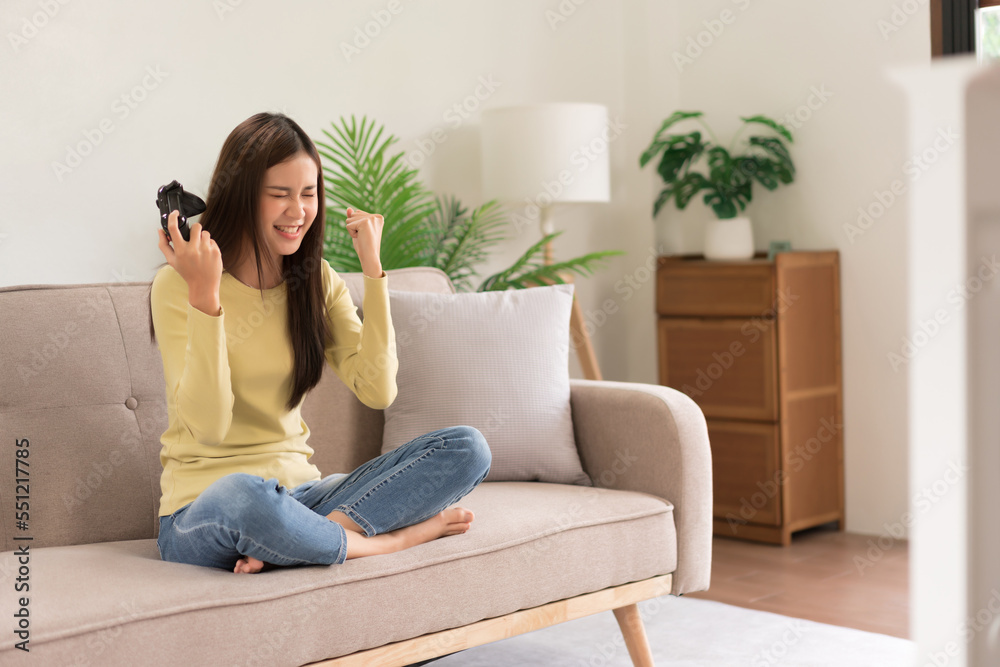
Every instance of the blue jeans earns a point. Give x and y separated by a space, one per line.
245 515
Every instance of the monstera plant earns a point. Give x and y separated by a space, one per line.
691 163
421 228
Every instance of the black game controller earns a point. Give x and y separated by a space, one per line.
171 197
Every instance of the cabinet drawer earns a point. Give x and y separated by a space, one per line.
746 479
725 365
698 288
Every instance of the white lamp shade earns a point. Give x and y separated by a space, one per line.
546 153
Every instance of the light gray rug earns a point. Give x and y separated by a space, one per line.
686 632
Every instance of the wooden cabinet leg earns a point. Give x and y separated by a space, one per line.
630 623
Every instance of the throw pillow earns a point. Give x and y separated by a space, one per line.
496 360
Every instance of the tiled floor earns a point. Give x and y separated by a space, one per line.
825 576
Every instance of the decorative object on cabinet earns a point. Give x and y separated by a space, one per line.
728 180
776 247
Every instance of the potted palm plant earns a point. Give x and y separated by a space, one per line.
422 229
728 179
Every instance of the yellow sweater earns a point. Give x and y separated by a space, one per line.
228 378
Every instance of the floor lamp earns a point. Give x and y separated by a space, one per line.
541 155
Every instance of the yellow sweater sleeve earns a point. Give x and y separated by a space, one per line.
363 354
195 359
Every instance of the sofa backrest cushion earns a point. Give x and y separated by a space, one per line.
82 390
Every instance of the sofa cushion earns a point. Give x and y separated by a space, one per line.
117 603
498 361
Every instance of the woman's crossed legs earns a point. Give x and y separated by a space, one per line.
393 502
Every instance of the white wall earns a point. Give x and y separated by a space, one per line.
825 61
97 223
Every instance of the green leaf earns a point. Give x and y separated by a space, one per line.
657 144
464 240
724 207
503 277
528 272
728 187
683 150
720 168
360 174
772 147
583 265
774 125
651 151
674 118
688 187
764 170
665 194
441 226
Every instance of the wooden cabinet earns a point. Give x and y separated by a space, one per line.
756 343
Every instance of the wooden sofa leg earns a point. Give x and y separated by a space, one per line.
632 629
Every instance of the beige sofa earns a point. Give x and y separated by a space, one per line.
82 397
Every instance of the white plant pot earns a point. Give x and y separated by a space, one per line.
729 239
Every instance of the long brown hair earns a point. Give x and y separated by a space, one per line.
255 145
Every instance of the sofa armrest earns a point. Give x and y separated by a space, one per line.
644 437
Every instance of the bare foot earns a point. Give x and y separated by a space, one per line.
452 521
248 565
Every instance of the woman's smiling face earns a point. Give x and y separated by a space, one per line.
288 200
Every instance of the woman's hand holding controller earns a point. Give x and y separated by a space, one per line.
199 261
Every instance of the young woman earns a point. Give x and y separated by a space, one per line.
246 315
